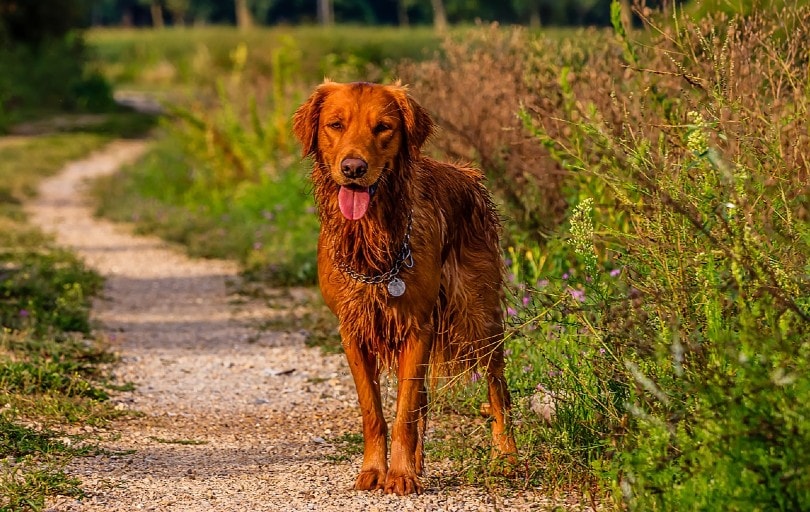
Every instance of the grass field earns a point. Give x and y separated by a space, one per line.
188 58
655 186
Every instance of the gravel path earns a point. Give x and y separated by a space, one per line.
233 418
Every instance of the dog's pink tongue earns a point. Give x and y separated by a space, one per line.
353 202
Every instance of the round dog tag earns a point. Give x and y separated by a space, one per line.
396 287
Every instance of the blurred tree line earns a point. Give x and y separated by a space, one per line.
372 12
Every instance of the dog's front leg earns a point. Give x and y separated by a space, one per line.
363 365
412 366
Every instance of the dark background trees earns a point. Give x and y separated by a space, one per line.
384 12
42 61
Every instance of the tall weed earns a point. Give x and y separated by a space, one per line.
660 317
700 152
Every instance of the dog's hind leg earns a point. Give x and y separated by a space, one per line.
503 440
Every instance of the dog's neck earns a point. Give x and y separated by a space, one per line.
372 244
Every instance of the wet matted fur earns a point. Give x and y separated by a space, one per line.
388 211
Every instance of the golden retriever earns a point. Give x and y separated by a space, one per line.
409 261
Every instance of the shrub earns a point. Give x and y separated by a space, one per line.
49 77
668 313
694 160
473 90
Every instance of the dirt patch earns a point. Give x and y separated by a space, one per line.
58 124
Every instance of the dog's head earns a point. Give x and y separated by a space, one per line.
357 132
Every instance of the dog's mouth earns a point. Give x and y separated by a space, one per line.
354 200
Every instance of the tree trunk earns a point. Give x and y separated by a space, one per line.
243 18
326 16
402 13
534 15
126 17
156 11
439 16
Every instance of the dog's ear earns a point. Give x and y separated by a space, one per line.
418 126
305 119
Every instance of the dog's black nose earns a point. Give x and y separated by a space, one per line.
353 167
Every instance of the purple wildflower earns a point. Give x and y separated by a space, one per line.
511 311
24 313
475 377
526 300
615 272
577 294
542 283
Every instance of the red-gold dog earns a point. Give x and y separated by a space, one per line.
408 259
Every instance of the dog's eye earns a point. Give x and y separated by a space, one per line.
335 125
381 127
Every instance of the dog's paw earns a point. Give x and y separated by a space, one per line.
369 480
402 484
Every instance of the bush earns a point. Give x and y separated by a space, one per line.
668 315
484 127
694 164
43 62
47 78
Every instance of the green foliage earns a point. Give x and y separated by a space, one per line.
49 77
19 172
18 441
360 12
45 291
705 395
662 311
348 445
26 482
182 59
269 225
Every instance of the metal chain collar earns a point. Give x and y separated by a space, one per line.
405 258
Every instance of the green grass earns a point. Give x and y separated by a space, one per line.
269 225
48 79
50 365
187 58
347 445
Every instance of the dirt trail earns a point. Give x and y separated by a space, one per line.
234 418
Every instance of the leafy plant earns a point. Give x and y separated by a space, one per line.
708 325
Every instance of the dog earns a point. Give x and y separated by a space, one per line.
409 262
